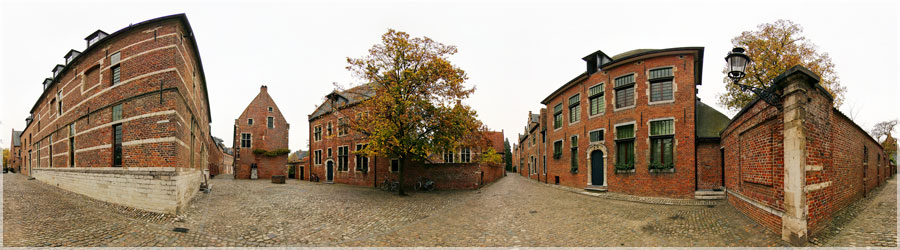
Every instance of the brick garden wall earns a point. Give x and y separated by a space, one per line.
709 165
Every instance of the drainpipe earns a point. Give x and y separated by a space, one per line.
375 171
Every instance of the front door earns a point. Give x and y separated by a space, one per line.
329 171
301 173
597 168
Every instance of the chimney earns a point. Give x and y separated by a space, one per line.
263 88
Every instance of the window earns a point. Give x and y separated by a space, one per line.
317 133
342 158
117 145
575 108
625 91
328 129
328 153
574 155
448 156
557 149
317 157
662 135
395 165
342 127
72 145
270 122
117 112
465 155
246 140
545 165
116 69
270 109
50 155
596 135
557 116
59 104
595 99
661 84
249 121
625 147
362 162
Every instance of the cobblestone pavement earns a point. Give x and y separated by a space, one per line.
871 221
511 212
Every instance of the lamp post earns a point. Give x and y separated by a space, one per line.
737 64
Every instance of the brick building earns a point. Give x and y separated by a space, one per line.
791 168
332 148
15 151
260 139
125 120
632 124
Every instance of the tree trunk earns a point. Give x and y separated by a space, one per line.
402 163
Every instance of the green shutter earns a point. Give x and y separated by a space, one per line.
595 90
663 72
663 127
574 100
624 80
625 132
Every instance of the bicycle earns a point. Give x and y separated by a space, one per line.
389 185
424 184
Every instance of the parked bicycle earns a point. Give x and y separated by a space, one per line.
424 184
313 178
390 185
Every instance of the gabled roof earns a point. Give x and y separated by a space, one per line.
343 99
16 138
710 122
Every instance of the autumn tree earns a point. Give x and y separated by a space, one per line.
773 49
883 129
416 107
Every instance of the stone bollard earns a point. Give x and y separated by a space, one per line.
278 179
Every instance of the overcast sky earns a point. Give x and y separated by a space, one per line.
515 53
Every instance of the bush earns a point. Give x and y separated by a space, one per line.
277 152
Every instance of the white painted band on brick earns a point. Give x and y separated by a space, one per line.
154 140
166 112
61 154
813 168
757 204
817 186
162 121
93 148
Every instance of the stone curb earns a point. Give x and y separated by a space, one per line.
632 198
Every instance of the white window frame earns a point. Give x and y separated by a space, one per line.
648 83
317 160
602 138
346 161
249 140
633 90
588 94
461 159
250 121
355 159
267 121
561 113
319 137
390 168
569 108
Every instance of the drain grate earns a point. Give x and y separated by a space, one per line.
180 230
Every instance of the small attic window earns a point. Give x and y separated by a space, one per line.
47 82
71 56
57 69
270 109
95 37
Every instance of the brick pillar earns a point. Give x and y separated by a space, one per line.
795 83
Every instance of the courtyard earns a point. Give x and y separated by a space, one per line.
513 211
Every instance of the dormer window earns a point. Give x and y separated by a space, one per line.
71 56
47 82
95 37
57 69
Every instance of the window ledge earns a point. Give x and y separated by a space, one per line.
661 102
630 171
597 115
625 108
668 170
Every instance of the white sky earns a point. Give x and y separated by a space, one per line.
516 53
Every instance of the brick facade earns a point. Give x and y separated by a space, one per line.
15 151
574 98
254 122
792 168
161 93
325 121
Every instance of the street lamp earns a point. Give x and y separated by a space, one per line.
737 64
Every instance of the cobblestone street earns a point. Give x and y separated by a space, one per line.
511 212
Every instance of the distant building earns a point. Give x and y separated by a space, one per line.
260 139
15 151
333 146
132 105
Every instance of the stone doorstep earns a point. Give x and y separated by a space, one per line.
595 188
709 195
639 199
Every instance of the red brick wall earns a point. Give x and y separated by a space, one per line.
709 165
157 103
262 137
678 184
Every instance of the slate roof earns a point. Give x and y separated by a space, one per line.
16 138
710 122
343 99
629 53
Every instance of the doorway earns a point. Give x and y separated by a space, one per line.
597 168
329 171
